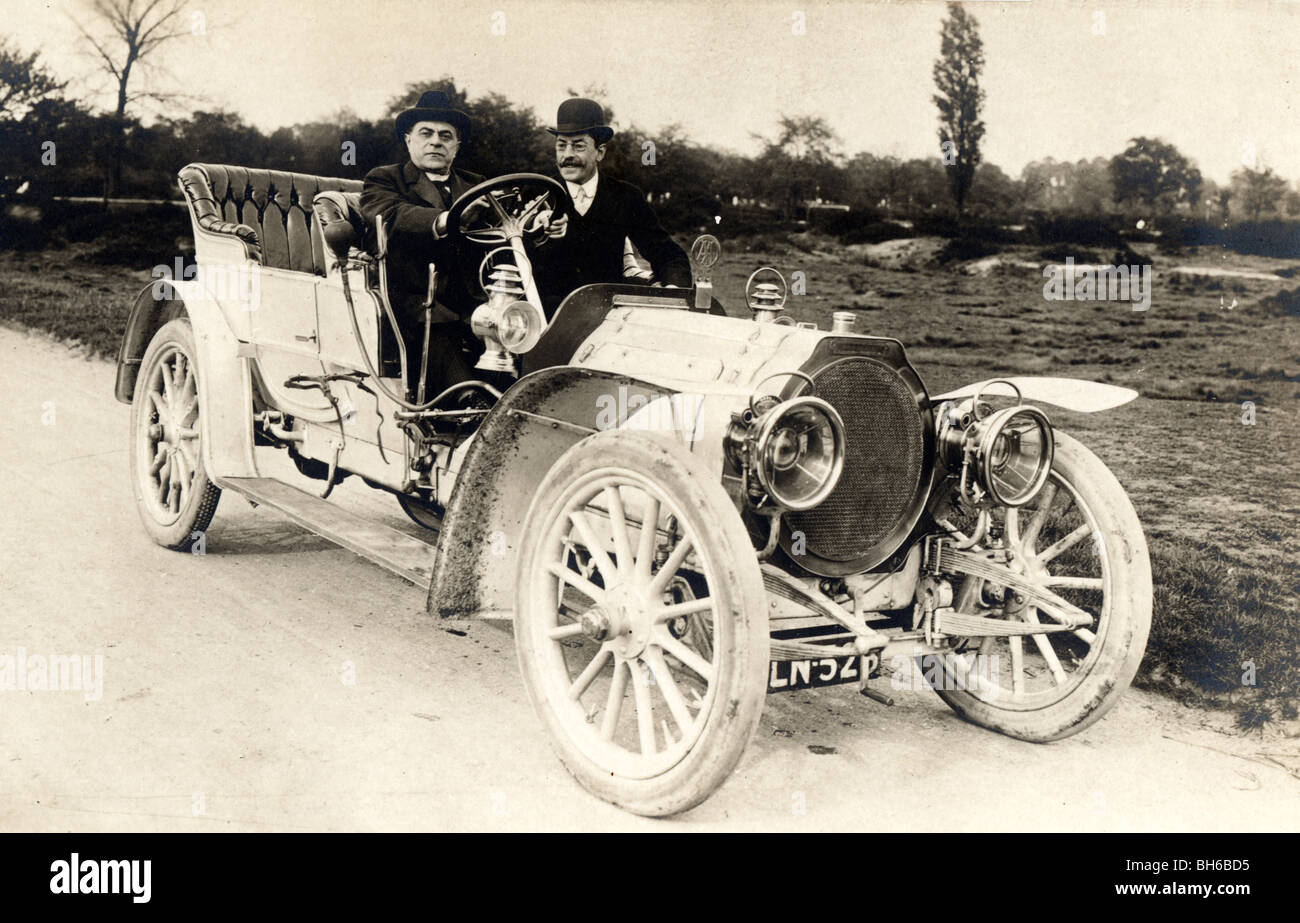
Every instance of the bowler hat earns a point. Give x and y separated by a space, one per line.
578 116
434 106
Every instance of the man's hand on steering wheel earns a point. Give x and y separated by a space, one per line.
548 226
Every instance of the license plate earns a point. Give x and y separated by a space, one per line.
789 675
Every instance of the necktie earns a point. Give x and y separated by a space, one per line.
581 201
442 184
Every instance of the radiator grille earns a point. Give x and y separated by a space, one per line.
880 487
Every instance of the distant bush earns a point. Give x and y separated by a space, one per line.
997 233
1283 304
967 248
837 223
747 221
1274 237
683 214
1120 256
141 238
876 232
1069 229
1059 253
929 224
121 236
23 233
79 223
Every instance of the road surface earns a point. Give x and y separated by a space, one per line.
276 682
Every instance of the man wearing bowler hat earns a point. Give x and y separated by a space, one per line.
589 245
413 198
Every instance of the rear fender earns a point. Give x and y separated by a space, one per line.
225 386
532 425
1076 394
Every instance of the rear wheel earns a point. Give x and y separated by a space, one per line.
175 498
1080 539
641 622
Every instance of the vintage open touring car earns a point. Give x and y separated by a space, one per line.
681 510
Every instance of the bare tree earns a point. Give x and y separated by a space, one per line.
125 36
956 75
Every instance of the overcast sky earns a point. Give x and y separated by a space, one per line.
1208 77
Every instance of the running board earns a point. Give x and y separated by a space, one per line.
405 556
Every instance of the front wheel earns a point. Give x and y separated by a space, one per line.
172 491
1080 539
641 622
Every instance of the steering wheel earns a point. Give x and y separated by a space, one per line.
495 211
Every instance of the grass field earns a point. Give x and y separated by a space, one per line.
1219 498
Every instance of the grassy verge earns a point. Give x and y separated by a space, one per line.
59 293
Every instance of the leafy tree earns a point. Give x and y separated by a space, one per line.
217 137
1258 190
1154 175
1047 183
24 82
874 182
319 147
925 185
1082 188
1092 192
956 75
996 194
801 163
505 138
1292 204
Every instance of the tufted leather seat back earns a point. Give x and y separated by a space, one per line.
269 210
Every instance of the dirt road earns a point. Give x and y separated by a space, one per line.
278 683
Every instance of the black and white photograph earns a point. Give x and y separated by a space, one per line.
650 416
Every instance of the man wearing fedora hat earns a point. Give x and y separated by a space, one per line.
606 214
413 198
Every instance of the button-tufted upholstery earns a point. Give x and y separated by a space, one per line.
269 210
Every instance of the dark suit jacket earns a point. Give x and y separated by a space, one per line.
409 202
592 248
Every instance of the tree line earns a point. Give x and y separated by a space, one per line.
51 144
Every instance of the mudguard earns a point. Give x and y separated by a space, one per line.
1076 394
532 425
225 385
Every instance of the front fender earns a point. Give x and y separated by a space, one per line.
533 424
1076 394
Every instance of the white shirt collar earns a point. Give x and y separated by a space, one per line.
588 187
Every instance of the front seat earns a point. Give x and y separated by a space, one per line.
333 207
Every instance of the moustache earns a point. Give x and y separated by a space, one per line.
570 163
